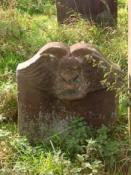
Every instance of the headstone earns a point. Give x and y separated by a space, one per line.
103 12
60 83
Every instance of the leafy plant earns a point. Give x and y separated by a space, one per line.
25 26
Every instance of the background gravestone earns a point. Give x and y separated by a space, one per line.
100 11
60 83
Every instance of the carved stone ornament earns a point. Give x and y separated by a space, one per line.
60 83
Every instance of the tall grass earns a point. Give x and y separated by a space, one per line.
23 33
25 26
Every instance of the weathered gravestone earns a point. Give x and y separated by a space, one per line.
99 11
60 83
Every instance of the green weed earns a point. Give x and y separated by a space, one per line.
25 26
98 152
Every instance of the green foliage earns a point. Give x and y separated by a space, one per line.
22 34
30 6
99 151
36 6
71 139
25 26
8 102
